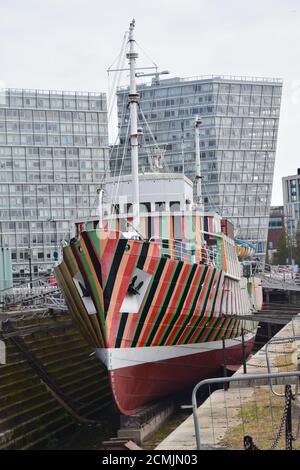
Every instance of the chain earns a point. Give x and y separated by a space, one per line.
248 441
287 405
257 365
297 405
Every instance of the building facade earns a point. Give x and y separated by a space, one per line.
53 152
238 141
291 202
276 224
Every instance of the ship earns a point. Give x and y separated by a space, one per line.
156 285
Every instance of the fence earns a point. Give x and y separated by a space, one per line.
250 417
285 355
40 292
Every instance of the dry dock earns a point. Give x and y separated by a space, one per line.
245 409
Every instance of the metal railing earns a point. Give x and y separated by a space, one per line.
228 380
39 292
182 251
243 78
281 277
272 341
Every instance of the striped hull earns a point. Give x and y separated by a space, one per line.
174 304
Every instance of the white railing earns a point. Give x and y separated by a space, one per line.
235 78
182 251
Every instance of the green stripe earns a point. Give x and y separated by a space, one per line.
162 302
67 252
197 320
181 329
210 312
162 339
92 285
134 267
145 299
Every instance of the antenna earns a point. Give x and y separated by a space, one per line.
100 206
198 122
182 144
133 100
155 75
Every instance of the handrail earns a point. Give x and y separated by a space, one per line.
235 378
243 78
277 275
278 339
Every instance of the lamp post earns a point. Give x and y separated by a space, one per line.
30 267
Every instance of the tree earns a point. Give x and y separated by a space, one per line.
282 253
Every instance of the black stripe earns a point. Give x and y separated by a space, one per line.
149 299
193 306
178 310
119 251
214 301
93 256
81 268
217 285
143 255
171 288
203 310
209 289
120 332
88 286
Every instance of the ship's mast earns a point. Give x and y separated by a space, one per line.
133 99
198 122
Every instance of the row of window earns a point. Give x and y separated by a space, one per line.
51 128
50 176
52 116
43 214
231 99
66 189
234 165
49 152
228 110
25 239
45 165
43 139
46 201
34 227
36 100
166 89
213 122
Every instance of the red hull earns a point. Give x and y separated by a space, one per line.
139 384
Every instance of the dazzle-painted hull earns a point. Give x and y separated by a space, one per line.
165 316
139 377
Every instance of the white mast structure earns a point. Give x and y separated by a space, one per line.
198 122
100 206
133 99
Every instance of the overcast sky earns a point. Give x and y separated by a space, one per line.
69 44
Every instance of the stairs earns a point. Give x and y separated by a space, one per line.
30 416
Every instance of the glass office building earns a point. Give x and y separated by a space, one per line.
291 202
238 140
53 153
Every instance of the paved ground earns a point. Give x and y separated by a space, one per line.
221 411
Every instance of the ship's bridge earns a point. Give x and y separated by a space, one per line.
159 192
